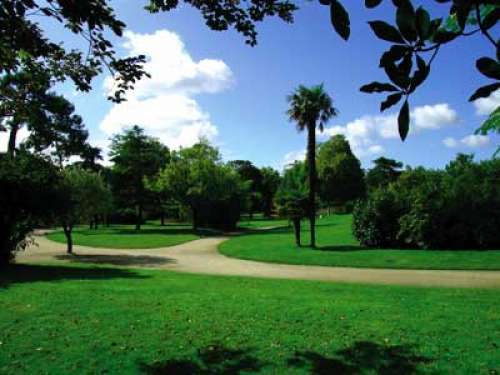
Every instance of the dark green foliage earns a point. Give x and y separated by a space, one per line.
28 197
455 208
340 175
270 183
249 172
136 157
383 173
212 191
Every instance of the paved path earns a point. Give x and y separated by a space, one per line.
201 256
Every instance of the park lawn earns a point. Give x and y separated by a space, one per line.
126 237
88 319
258 221
338 247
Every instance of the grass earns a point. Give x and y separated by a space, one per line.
338 247
126 237
258 221
75 319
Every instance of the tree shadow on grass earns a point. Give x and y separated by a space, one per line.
361 358
211 360
117 259
21 273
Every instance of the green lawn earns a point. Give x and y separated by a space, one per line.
259 221
75 319
126 237
338 247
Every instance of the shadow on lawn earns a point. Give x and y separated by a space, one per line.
21 273
361 358
117 259
211 360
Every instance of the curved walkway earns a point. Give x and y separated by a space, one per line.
202 257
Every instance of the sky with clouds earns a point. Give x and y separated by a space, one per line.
211 84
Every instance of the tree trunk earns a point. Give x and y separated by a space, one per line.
296 228
139 217
91 224
195 218
96 220
12 138
68 228
162 218
311 163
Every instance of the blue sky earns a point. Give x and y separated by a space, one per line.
213 84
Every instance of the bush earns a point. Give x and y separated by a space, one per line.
455 208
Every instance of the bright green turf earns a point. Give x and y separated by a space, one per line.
126 237
66 320
337 247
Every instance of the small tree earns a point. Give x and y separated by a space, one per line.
270 183
292 197
83 195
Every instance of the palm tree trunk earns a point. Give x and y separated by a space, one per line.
296 229
311 163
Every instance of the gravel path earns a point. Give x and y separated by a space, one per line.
201 256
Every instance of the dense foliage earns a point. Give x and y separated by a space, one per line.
213 191
28 197
454 208
341 178
383 172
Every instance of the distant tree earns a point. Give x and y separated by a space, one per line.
82 194
311 108
384 172
196 178
249 172
292 196
135 156
340 175
270 182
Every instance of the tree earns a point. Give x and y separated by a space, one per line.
249 172
136 156
270 183
340 174
28 197
311 108
383 173
83 194
292 196
196 178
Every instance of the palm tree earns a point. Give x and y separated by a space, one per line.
311 107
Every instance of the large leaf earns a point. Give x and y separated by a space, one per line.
395 53
406 21
485 91
340 19
423 23
390 101
489 67
404 120
378 87
386 32
372 3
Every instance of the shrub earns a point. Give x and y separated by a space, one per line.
454 208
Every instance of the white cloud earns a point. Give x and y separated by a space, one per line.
450 142
293 156
484 106
472 141
164 105
365 132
